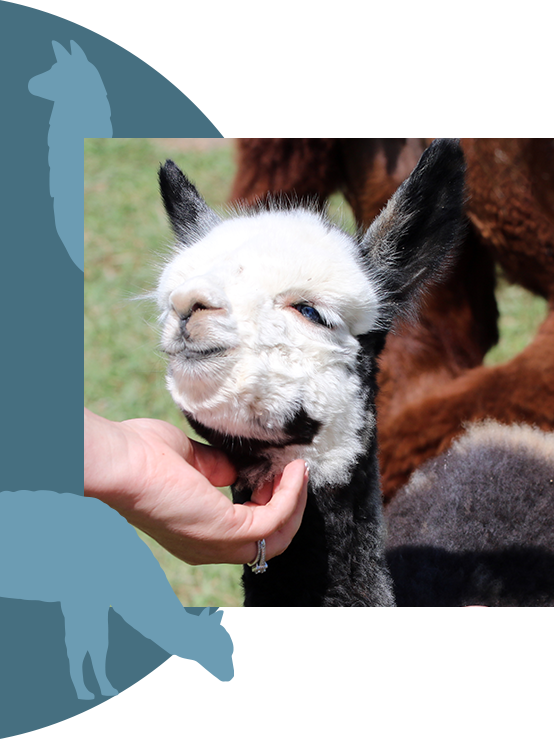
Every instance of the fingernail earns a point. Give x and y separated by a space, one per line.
307 466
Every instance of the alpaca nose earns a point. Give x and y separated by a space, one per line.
195 295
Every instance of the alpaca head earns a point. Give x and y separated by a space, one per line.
272 319
71 78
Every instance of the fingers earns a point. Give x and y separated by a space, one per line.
264 493
278 520
213 464
277 542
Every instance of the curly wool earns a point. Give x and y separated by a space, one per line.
476 525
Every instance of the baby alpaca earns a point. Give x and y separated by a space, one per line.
273 321
476 525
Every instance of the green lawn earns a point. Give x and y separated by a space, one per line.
126 238
521 312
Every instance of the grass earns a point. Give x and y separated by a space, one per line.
126 238
521 313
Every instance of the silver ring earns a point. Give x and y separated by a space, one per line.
259 564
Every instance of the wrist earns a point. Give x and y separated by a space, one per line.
105 455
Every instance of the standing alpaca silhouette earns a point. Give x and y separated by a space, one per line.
81 110
79 552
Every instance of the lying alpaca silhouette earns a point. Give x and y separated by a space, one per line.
78 551
81 110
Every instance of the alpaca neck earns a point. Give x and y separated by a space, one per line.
337 556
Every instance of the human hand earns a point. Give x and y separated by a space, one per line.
166 484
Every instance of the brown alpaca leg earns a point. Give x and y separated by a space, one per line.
455 329
521 390
511 204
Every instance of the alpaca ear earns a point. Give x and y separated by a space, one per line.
191 218
77 52
60 52
416 237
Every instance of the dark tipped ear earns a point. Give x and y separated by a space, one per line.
416 237
190 216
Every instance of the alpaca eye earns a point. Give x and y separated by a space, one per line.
309 312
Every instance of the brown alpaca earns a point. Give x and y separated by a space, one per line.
432 375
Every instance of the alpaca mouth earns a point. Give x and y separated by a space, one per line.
216 351
187 352
300 430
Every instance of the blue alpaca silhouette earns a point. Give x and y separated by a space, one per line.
81 110
78 551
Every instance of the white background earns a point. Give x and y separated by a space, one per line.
433 673
346 69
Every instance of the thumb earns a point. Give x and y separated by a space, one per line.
213 464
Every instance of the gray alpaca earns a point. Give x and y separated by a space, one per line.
81 110
476 525
78 551
273 321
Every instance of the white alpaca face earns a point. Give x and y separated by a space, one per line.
260 319
263 316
